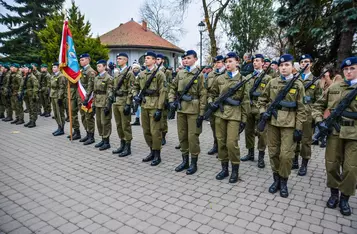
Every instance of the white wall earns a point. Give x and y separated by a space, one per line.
135 54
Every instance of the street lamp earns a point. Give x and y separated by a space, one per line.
201 28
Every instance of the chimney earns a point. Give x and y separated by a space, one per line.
145 25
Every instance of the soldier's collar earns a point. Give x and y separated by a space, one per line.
149 70
232 74
221 70
85 67
56 73
289 77
122 69
102 73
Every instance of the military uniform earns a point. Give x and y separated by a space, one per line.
6 94
103 94
87 117
58 96
281 130
252 120
121 108
208 84
29 87
164 126
151 107
75 103
188 132
44 89
16 104
228 122
341 146
304 147
37 75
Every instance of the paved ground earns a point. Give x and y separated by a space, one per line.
49 185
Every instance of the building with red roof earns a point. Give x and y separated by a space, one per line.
135 39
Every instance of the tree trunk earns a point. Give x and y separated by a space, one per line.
345 47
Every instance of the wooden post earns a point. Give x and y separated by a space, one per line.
69 110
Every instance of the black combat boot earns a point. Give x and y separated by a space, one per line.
54 131
344 206
32 124
234 175
157 158
67 119
284 187
303 169
90 139
224 172
315 142
150 157
47 115
76 135
276 184
136 122
120 149
2 116
249 156
84 139
7 119
21 121
100 144
60 131
15 121
178 146
184 165
261 163
193 167
214 149
127 150
43 114
106 145
26 111
295 164
333 200
163 140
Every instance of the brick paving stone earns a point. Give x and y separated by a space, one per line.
50 185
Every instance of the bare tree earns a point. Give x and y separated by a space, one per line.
162 19
213 12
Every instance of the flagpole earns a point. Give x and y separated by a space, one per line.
69 110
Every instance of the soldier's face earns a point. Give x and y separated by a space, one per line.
184 62
258 63
231 64
122 61
43 69
304 62
136 69
159 60
350 72
54 69
286 68
84 61
100 68
25 70
266 65
274 66
219 64
149 61
190 60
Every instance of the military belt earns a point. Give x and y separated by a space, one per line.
188 98
232 102
285 105
100 92
347 123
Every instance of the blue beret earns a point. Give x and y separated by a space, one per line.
122 55
218 58
85 55
102 61
305 56
274 62
55 64
150 53
258 56
231 55
190 52
160 56
286 58
349 62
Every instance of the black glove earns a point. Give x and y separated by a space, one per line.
106 111
157 115
241 127
127 109
264 116
322 126
60 102
85 102
172 106
137 100
297 135
213 106
199 121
